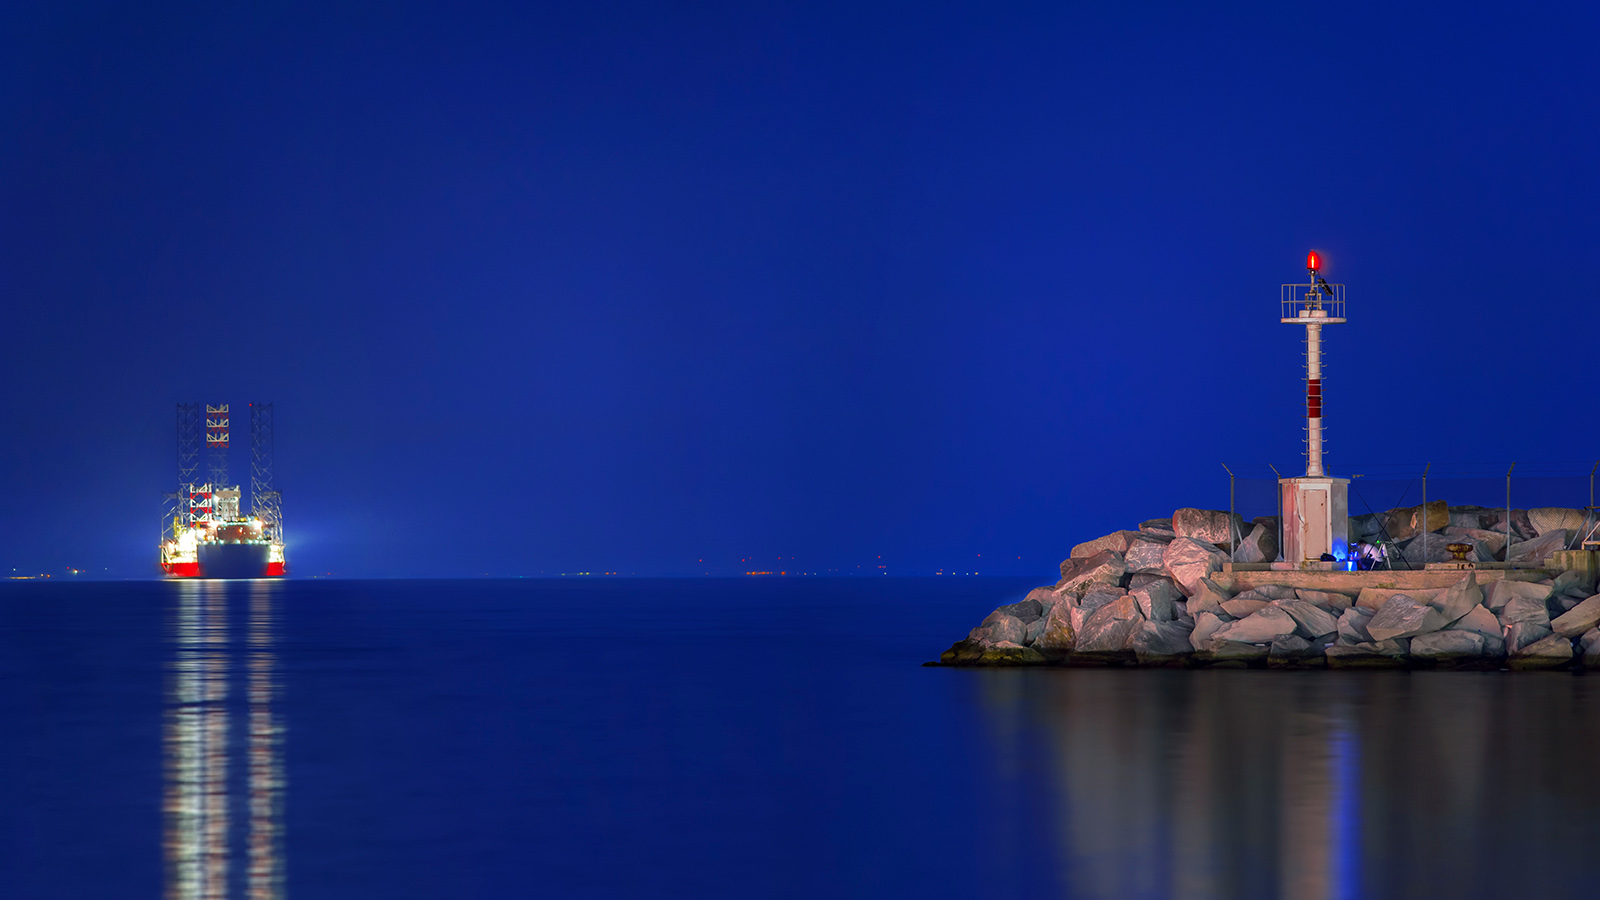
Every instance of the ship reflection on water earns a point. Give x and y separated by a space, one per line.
215 776
1301 785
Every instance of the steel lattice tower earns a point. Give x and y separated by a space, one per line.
188 444
265 501
217 444
176 515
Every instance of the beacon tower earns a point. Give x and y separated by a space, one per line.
1316 507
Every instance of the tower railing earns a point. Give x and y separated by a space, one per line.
1322 300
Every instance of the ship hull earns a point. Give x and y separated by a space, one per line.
217 560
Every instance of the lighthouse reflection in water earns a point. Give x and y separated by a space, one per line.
224 747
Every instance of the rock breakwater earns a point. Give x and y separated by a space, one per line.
1152 597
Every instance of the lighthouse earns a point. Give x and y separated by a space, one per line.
1316 507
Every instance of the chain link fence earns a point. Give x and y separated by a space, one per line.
1492 507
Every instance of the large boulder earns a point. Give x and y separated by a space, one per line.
1158 600
1241 606
1521 528
1294 652
1578 619
1158 642
1328 601
1213 526
1093 600
1492 541
1447 644
1235 652
1057 635
999 628
1264 626
1459 599
1311 622
1260 545
1503 591
1591 648
1403 617
1034 631
1385 654
1116 540
1364 527
1469 517
1146 554
1207 597
1572 584
1206 625
1111 627
1546 519
1046 596
1160 528
1007 653
1105 567
1540 548
1480 620
1353 626
1189 560
1522 609
1408 522
1270 592
1522 634
1434 548
1550 652
1027 610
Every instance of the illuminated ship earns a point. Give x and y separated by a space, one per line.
206 535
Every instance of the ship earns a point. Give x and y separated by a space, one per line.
205 532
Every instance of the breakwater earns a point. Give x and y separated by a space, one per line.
1199 589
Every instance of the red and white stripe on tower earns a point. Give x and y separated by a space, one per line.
1314 304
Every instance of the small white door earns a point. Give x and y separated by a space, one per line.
1317 542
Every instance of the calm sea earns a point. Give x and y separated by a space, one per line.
737 738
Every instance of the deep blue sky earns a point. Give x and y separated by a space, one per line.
630 286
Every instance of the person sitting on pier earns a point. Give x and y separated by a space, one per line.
1370 556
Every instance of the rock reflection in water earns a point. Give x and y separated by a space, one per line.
201 784
1307 785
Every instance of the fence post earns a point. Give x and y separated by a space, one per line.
1505 556
1278 489
1233 548
1425 514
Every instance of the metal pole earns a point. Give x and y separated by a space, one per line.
1576 542
1233 550
1424 513
1280 507
1505 555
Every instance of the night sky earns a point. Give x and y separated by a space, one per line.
680 288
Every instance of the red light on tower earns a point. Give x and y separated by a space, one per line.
1313 262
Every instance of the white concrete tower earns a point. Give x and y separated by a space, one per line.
1316 508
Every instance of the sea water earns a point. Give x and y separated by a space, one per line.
738 737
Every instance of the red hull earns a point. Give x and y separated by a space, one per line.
192 570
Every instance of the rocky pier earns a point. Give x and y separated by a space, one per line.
1165 595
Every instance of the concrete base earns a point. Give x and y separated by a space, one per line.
1239 578
1310 565
1586 562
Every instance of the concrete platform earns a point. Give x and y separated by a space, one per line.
1244 576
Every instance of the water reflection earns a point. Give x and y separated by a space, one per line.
203 793
1307 785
